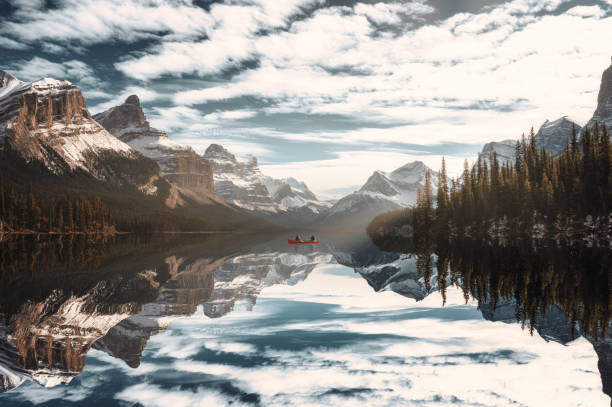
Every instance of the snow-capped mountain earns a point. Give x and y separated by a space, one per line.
284 201
48 338
381 193
239 281
47 121
239 182
504 149
192 283
552 136
180 164
603 113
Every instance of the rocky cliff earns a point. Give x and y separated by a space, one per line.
191 285
47 340
552 136
47 121
287 202
181 165
603 113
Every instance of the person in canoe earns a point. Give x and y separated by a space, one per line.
298 238
313 238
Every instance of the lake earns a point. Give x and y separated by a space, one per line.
252 321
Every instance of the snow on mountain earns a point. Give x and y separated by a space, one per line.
381 193
399 187
504 150
240 182
291 194
552 136
401 276
47 120
180 164
239 281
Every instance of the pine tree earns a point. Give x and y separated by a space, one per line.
442 195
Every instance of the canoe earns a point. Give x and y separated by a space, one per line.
303 241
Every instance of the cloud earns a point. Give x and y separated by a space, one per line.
38 67
8 43
90 22
391 13
234 26
364 348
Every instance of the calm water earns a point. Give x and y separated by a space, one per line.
225 321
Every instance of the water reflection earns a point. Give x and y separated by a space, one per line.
229 320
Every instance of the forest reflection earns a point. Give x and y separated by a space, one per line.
574 278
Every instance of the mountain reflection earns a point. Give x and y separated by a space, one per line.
65 296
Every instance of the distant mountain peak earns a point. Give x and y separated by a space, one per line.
132 100
180 164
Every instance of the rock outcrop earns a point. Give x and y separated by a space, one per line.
47 341
552 136
287 202
47 121
239 182
603 113
192 285
180 164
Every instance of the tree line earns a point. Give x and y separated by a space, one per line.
27 211
536 188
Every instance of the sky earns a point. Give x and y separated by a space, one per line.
326 91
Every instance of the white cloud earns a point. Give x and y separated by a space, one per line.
400 345
38 67
390 13
89 22
587 11
228 115
230 38
9 43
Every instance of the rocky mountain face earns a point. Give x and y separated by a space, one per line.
603 113
381 193
47 121
47 340
287 202
191 285
239 281
180 165
552 136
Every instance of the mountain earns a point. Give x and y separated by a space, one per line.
603 113
381 193
286 202
180 165
46 121
49 140
552 136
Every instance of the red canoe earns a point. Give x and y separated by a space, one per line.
303 241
